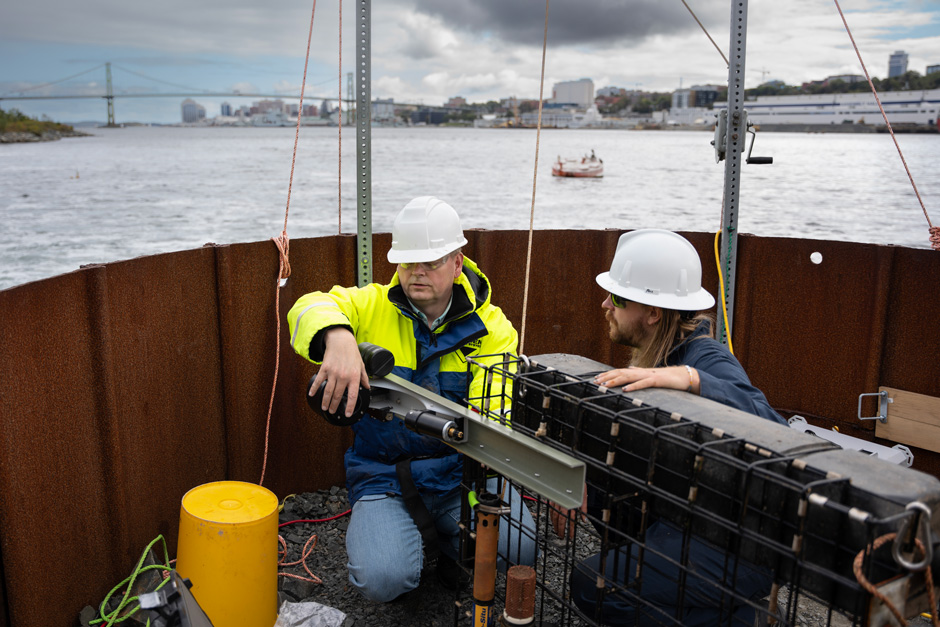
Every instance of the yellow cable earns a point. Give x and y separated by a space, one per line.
721 283
280 508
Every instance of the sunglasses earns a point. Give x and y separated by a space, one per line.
618 301
428 265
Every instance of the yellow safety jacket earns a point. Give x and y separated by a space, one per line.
382 315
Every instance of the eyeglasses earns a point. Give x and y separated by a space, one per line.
618 301
427 265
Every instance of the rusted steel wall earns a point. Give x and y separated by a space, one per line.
125 385
815 336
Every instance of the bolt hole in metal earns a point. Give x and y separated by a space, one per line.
816 258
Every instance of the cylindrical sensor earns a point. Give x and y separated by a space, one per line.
520 596
428 423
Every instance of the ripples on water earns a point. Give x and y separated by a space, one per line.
139 191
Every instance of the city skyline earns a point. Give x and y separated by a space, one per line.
427 51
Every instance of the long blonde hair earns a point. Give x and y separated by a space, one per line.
672 329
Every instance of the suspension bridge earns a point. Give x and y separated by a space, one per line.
188 92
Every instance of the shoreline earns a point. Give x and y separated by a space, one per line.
45 136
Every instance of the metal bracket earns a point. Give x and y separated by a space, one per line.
554 475
882 406
897 454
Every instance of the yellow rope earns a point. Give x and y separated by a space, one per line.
721 283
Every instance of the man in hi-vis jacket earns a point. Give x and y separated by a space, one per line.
435 312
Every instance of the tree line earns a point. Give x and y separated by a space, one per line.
13 121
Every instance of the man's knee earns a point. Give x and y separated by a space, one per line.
383 583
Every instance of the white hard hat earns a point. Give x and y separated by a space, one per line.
425 230
658 268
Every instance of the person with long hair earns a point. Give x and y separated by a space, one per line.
656 305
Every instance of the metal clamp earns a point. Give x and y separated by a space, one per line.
882 406
922 519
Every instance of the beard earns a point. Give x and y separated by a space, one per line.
629 334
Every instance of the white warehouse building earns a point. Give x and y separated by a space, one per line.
579 93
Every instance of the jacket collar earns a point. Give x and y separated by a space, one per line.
471 291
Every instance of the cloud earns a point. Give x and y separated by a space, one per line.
429 50
425 37
180 26
573 22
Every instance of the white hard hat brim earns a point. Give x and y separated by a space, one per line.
694 301
424 255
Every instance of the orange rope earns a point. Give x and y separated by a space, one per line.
933 230
704 30
283 247
872 590
535 176
307 550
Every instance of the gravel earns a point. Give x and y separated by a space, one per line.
431 604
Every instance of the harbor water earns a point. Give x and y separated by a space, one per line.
122 193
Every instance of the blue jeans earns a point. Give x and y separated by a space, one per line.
384 547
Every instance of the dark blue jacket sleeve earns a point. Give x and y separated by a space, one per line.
723 379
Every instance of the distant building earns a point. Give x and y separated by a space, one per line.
456 101
266 106
579 93
897 64
383 110
560 118
933 68
614 92
902 107
428 116
697 96
192 111
225 109
681 99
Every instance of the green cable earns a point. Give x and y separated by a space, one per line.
472 498
127 600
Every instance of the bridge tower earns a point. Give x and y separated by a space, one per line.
110 95
350 99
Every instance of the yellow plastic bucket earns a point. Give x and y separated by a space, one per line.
228 548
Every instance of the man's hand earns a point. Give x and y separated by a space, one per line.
563 520
342 370
632 379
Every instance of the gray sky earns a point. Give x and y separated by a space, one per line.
429 50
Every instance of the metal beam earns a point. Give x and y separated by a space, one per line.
735 141
552 474
363 58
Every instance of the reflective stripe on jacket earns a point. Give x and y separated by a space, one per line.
436 360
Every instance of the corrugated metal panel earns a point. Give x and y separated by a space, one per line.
304 451
56 483
125 385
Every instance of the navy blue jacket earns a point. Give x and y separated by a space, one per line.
722 378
